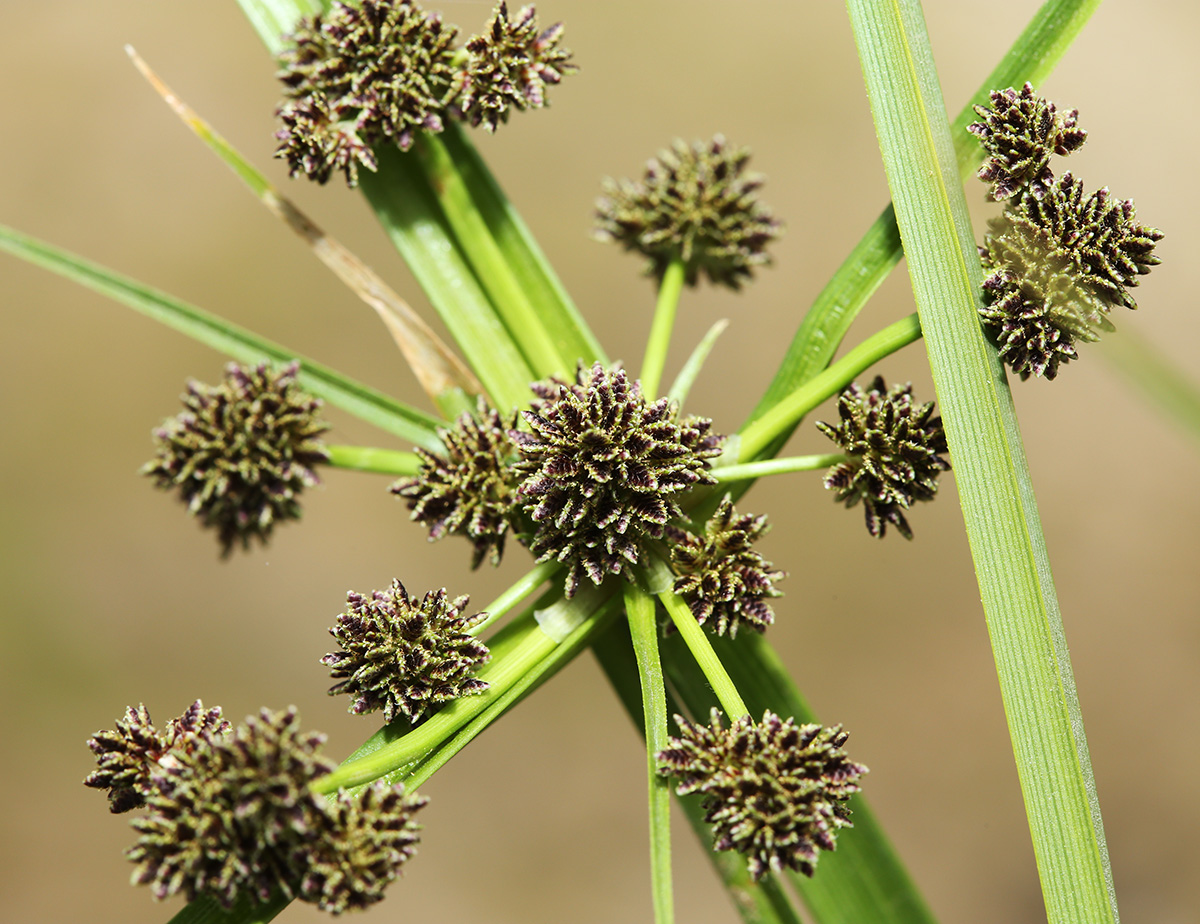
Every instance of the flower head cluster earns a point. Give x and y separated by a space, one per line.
1019 132
510 64
468 491
238 816
402 657
893 447
602 470
376 71
720 576
363 73
127 755
241 452
774 791
694 204
1055 264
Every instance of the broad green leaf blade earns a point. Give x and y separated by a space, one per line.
358 399
991 473
272 19
573 336
1032 57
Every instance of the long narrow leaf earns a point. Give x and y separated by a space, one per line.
360 400
1032 57
991 473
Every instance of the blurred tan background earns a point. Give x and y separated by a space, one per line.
112 596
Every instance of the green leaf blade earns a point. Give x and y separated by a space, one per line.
996 493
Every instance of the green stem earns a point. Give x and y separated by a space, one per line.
776 467
783 416
659 341
643 627
701 648
687 375
370 459
493 271
527 584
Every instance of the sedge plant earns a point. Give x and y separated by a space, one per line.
625 504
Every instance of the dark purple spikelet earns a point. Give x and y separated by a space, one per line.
1055 265
404 658
241 453
695 203
470 490
894 451
510 66
128 754
774 791
1020 132
724 581
236 816
603 469
359 75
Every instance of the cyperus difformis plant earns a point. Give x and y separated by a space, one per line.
1057 260
241 453
893 448
402 657
774 791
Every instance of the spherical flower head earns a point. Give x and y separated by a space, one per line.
232 817
695 204
1019 132
602 470
363 842
774 791
357 76
470 489
405 658
893 447
126 755
1055 265
241 453
510 65
720 576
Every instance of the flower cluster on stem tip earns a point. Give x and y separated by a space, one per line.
724 581
893 448
602 471
469 490
231 812
774 791
378 71
1058 259
241 453
694 204
405 658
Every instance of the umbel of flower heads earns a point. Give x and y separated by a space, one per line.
696 204
774 791
241 452
1057 260
893 452
383 71
231 812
